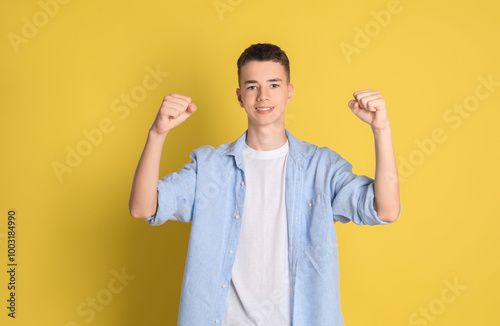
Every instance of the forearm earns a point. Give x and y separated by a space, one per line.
387 201
144 195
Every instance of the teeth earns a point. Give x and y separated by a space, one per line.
263 109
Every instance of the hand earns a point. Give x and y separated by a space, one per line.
369 106
174 110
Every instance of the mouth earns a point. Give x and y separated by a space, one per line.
263 110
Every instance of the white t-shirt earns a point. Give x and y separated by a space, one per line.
259 291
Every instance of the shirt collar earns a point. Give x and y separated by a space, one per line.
299 150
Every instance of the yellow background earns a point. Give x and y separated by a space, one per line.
74 233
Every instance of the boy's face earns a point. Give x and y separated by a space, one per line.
264 93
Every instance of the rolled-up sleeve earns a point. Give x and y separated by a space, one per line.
176 193
353 196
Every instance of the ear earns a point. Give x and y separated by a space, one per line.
238 95
290 93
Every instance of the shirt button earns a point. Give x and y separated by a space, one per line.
237 217
310 204
230 251
223 286
216 321
242 183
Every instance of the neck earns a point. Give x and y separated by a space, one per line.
266 139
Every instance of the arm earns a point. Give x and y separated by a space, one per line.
370 107
143 197
387 203
143 200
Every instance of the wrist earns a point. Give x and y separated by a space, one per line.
153 134
381 131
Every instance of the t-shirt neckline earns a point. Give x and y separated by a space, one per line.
273 153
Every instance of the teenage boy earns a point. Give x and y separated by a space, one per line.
263 247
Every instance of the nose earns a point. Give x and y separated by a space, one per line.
263 94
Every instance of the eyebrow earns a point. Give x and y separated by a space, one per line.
269 81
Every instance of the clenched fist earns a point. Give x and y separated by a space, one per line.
369 106
174 109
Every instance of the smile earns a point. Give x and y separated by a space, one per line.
264 109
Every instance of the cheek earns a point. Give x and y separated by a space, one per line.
247 99
284 97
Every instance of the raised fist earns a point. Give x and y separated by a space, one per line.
174 109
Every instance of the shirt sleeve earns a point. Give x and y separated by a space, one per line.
176 193
353 196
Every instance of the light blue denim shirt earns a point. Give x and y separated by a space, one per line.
209 192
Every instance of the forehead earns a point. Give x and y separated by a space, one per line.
262 70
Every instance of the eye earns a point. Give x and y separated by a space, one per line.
251 87
275 85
